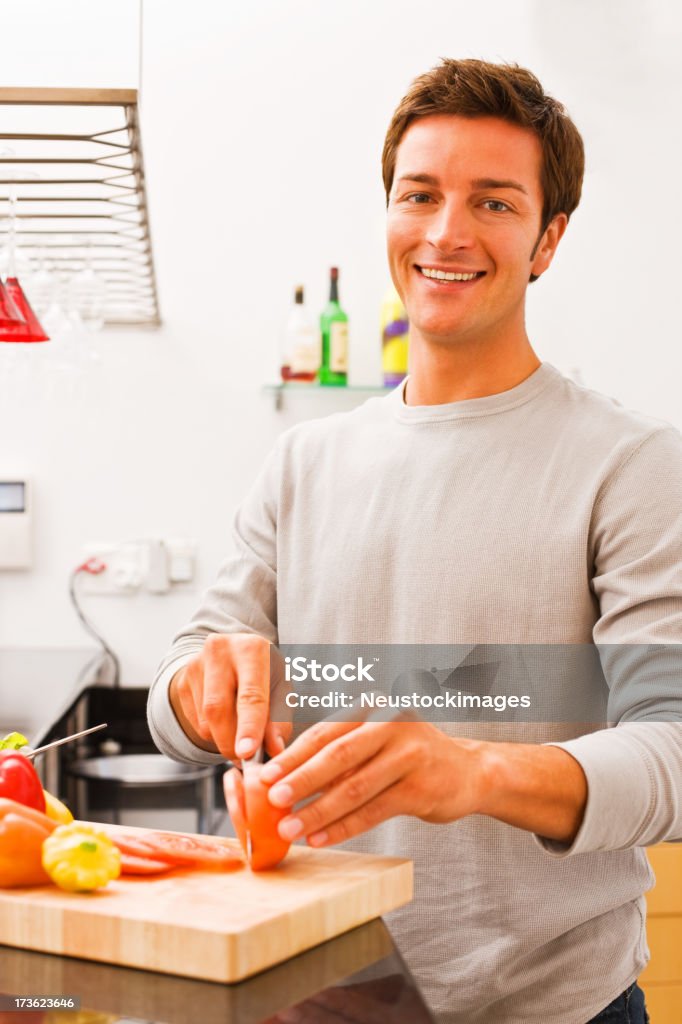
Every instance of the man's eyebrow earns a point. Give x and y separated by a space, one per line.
499 183
423 179
477 183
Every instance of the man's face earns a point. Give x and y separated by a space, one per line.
466 200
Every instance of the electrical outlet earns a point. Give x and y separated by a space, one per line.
124 573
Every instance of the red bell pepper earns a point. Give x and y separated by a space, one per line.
19 780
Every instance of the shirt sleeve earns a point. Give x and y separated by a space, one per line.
243 599
634 768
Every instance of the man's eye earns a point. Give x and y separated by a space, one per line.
496 205
418 197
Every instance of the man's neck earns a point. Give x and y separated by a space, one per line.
441 374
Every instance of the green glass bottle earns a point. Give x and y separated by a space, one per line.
334 331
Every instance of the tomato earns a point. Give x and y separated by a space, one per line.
132 845
267 846
192 851
247 801
174 849
143 865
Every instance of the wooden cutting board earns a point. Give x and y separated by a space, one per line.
219 926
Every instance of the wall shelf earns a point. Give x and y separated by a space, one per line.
80 191
278 392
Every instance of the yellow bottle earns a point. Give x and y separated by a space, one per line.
395 338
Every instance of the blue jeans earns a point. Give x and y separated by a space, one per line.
627 1008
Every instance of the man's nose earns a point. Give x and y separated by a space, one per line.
450 228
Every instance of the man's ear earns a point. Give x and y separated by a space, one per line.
546 246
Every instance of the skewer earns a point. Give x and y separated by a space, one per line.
66 739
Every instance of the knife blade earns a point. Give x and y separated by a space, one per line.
247 762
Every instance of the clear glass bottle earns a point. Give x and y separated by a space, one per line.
301 344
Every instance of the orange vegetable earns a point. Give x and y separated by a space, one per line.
247 802
22 832
177 850
131 865
183 850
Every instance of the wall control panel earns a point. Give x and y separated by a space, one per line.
16 547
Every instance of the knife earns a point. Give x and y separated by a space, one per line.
247 762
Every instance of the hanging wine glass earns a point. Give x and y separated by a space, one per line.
42 286
87 295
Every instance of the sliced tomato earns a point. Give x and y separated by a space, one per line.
174 849
247 801
192 851
132 845
143 865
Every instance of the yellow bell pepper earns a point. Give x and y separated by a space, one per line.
56 810
79 859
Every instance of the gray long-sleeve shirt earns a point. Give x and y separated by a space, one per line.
546 514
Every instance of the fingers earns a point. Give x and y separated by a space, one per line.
185 694
276 737
346 808
279 729
221 698
336 768
217 714
387 804
302 749
252 663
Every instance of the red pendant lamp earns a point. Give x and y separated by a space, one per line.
9 314
27 327
18 322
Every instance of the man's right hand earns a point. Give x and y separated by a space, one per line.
222 697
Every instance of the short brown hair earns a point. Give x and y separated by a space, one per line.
475 88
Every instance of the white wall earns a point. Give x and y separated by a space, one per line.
262 128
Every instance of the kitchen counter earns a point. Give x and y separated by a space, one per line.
358 977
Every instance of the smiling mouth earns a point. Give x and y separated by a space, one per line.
449 275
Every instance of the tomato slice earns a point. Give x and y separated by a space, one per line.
143 865
192 851
174 849
247 801
132 845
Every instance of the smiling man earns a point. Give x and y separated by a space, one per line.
461 245
488 501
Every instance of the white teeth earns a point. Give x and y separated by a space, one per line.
441 275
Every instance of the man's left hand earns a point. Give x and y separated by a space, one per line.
367 772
